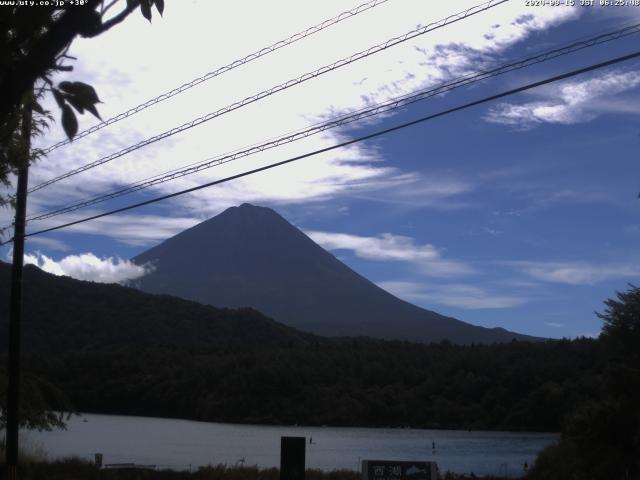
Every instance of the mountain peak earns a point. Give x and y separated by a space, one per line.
246 207
246 210
250 256
244 220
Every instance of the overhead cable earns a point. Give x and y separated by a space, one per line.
377 109
219 71
344 144
283 86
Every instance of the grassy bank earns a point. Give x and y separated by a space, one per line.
76 469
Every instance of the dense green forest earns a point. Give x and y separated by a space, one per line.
113 349
110 349
517 386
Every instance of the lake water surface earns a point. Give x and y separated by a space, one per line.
183 444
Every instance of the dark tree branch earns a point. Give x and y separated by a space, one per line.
131 6
106 9
42 55
63 53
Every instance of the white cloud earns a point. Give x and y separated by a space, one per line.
128 65
384 247
457 295
494 232
573 102
88 267
390 247
576 273
137 230
555 325
445 268
418 191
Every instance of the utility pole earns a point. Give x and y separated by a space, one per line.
15 306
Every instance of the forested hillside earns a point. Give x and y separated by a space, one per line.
518 386
115 350
62 314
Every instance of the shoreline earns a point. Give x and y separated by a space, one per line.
280 425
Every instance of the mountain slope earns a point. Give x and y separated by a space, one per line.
61 314
251 256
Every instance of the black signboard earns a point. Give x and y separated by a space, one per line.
292 461
398 470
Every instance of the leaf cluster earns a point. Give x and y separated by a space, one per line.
14 151
146 5
34 46
37 396
601 438
81 97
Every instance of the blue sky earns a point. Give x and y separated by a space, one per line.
522 213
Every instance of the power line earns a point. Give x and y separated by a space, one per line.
349 142
219 71
391 105
283 86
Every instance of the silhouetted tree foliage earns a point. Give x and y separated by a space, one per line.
117 350
75 468
38 396
517 386
114 349
34 41
601 438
